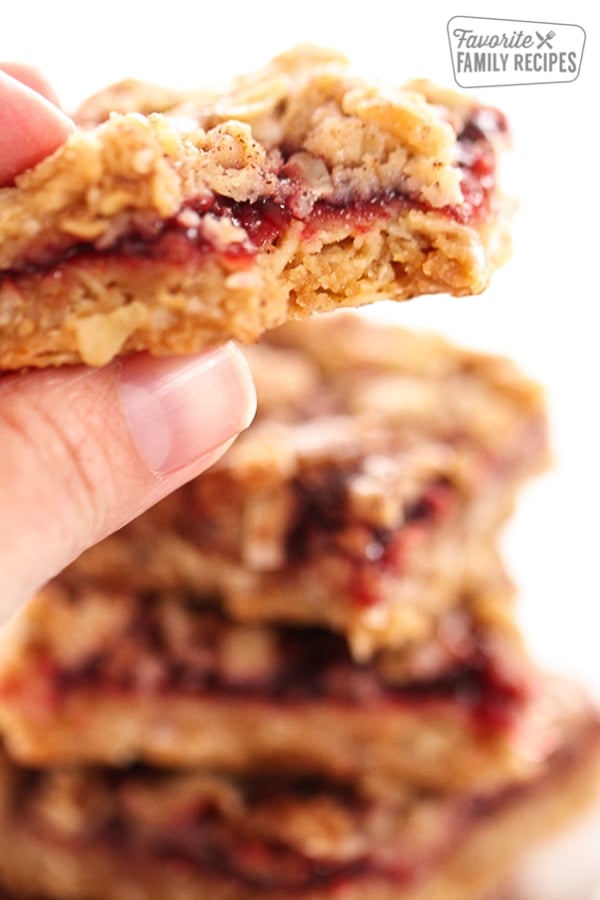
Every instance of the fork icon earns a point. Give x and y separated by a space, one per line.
545 41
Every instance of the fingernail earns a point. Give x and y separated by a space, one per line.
179 409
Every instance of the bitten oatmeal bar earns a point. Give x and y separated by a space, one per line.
301 189
99 833
367 492
175 683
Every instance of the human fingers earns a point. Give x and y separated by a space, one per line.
31 127
32 77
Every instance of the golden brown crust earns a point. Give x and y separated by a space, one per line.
366 494
301 189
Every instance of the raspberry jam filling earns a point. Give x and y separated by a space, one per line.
392 548
182 239
199 836
323 527
322 520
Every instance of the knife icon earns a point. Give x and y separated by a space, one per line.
545 41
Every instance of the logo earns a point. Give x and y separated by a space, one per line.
492 52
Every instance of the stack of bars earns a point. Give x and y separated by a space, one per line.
300 675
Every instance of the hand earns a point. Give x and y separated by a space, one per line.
83 451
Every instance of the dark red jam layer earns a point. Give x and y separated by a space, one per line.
200 838
322 521
322 526
172 241
322 518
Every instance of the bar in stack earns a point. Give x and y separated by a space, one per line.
300 675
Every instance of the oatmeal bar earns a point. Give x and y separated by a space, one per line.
179 222
368 490
175 683
145 833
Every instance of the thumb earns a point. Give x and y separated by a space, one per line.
31 126
83 451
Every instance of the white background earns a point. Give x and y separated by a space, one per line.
542 307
